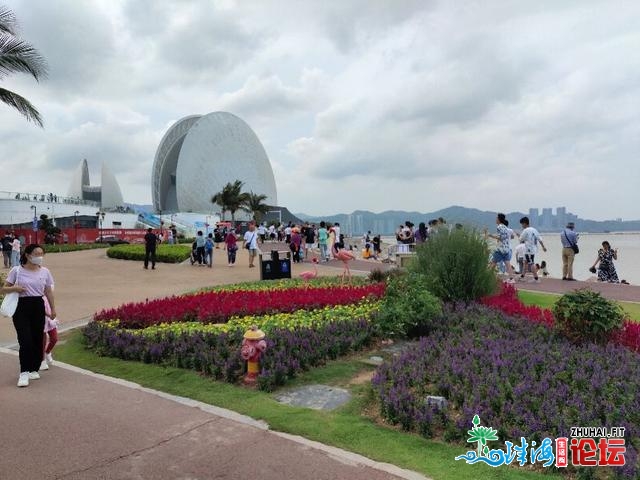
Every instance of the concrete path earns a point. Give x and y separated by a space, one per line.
73 424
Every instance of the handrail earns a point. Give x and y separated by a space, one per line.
46 198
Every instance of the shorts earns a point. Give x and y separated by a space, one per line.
529 258
253 252
309 246
499 257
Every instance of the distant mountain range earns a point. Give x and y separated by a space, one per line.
386 223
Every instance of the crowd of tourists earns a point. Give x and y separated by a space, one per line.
527 249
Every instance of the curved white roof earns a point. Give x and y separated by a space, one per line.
199 155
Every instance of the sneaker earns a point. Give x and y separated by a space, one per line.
33 375
49 358
44 365
23 379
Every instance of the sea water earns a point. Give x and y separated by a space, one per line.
627 265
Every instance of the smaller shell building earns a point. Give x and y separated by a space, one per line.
200 154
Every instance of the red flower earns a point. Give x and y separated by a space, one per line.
217 307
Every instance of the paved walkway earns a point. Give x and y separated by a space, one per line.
73 424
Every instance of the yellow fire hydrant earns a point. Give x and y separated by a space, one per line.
252 347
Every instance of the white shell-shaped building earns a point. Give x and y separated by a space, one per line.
107 195
200 154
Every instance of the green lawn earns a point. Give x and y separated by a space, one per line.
347 427
547 300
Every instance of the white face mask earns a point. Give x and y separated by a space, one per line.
36 260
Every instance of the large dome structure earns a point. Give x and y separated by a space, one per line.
200 154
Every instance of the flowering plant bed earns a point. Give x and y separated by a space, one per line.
507 301
290 350
267 323
522 379
305 326
219 306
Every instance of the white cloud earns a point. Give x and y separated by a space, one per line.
360 105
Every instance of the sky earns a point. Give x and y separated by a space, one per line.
360 104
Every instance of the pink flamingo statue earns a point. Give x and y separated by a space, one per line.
308 275
345 256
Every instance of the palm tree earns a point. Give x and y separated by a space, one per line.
18 56
230 198
255 205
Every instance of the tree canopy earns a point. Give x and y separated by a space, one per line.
17 56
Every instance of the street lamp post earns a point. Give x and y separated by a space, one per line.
35 220
75 224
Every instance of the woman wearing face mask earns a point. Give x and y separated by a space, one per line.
28 319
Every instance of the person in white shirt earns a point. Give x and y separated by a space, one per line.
262 232
531 238
15 252
251 243
338 244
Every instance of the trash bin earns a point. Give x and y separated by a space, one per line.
276 266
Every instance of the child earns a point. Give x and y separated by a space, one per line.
543 268
51 331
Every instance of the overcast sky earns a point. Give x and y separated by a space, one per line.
360 104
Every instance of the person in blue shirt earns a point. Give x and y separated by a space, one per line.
569 240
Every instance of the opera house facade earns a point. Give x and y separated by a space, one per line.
200 154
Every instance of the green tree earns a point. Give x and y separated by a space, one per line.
46 225
230 198
17 56
256 206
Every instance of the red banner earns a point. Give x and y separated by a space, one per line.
84 235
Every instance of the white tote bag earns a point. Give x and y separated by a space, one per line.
9 304
10 301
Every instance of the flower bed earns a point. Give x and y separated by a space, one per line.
507 301
267 323
219 306
305 327
521 379
289 351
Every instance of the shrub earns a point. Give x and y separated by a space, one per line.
378 275
72 247
454 265
164 253
585 315
408 308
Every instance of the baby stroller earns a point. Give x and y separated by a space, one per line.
194 253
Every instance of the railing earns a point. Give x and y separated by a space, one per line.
46 198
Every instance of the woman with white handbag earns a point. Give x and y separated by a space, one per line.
29 316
